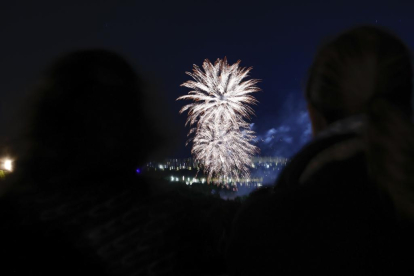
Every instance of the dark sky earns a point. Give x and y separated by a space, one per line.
163 39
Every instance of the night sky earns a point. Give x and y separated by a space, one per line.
163 39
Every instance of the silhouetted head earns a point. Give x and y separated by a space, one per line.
87 120
368 70
354 69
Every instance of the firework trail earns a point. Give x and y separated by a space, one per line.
222 137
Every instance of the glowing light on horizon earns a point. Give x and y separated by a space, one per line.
221 142
8 165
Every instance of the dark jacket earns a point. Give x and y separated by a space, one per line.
109 229
323 217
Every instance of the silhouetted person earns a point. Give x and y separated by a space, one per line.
344 204
76 203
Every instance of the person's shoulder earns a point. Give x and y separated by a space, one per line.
317 155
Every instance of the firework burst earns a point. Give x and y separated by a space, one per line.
222 100
224 153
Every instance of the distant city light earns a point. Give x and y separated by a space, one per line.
138 171
265 171
8 165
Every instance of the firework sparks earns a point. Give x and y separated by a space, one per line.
219 93
222 137
223 152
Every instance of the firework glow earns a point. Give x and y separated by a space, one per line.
221 135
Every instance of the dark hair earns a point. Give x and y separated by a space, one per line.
367 70
86 119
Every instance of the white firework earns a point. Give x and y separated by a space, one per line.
224 153
222 137
219 93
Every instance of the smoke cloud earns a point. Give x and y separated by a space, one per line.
285 133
